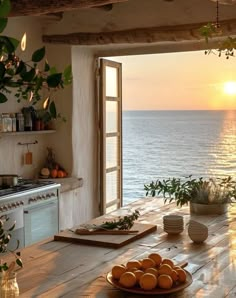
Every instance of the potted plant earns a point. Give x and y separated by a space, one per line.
8 283
205 196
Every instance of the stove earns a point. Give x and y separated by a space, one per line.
25 186
34 206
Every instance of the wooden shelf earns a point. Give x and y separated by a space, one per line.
33 132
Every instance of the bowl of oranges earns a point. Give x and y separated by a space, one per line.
152 275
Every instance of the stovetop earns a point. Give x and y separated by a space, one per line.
25 185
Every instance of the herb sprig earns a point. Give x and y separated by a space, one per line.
122 223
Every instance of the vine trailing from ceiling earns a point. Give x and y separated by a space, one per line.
226 46
26 78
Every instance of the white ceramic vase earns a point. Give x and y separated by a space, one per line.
197 232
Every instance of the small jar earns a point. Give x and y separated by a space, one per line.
9 286
13 120
6 122
20 123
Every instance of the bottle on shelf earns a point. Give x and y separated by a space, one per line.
20 123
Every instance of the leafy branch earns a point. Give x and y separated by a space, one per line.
122 223
26 77
226 46
5 237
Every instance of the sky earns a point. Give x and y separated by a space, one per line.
178 81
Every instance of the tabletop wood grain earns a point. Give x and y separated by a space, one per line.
62 269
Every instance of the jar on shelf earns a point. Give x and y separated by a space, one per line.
20 122
9 286
13 120
6 122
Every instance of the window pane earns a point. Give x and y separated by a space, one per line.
111 116
111 186
111 152
111 81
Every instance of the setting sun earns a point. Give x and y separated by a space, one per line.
230 88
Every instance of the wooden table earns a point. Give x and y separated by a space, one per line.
60 269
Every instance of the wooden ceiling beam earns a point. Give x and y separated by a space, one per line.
41 7
185 32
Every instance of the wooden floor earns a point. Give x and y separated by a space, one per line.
61 269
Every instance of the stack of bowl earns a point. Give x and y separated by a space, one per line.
197 232
173 224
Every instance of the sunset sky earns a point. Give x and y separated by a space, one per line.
177 81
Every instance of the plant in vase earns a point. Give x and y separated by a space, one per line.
8 284
202 194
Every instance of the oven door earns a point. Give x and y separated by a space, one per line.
41 221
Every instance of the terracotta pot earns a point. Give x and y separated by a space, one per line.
205 209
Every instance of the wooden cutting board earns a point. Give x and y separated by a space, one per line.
114 241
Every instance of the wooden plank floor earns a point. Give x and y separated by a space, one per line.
61 269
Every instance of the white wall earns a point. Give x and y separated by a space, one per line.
84 129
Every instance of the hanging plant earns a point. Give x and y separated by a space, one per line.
26 78
226 46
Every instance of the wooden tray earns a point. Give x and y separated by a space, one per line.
114 241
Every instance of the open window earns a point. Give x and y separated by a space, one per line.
110 111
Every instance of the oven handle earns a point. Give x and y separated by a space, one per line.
42 206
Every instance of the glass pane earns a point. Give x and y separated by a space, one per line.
111 116
111 152
111 186
111 81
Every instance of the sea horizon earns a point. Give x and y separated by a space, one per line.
160 144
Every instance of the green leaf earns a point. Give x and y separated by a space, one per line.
15 42
53 110
67 74
29 75
5 8
19 262
8 44
21 68
3 98
3 24
53 70
46 66
2 70
38 55
54 80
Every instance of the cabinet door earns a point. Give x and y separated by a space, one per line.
111 135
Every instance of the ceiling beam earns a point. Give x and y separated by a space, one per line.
138 35
41 7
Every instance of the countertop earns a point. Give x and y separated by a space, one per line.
62 269
69 183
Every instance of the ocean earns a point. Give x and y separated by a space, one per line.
165 144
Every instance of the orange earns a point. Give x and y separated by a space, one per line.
128 279
117 271
60 174
169 262
154 271
148 263
156 258
132 269
133 264
148 281
138 274
53 173
164 281
165 269
174 275
182 275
